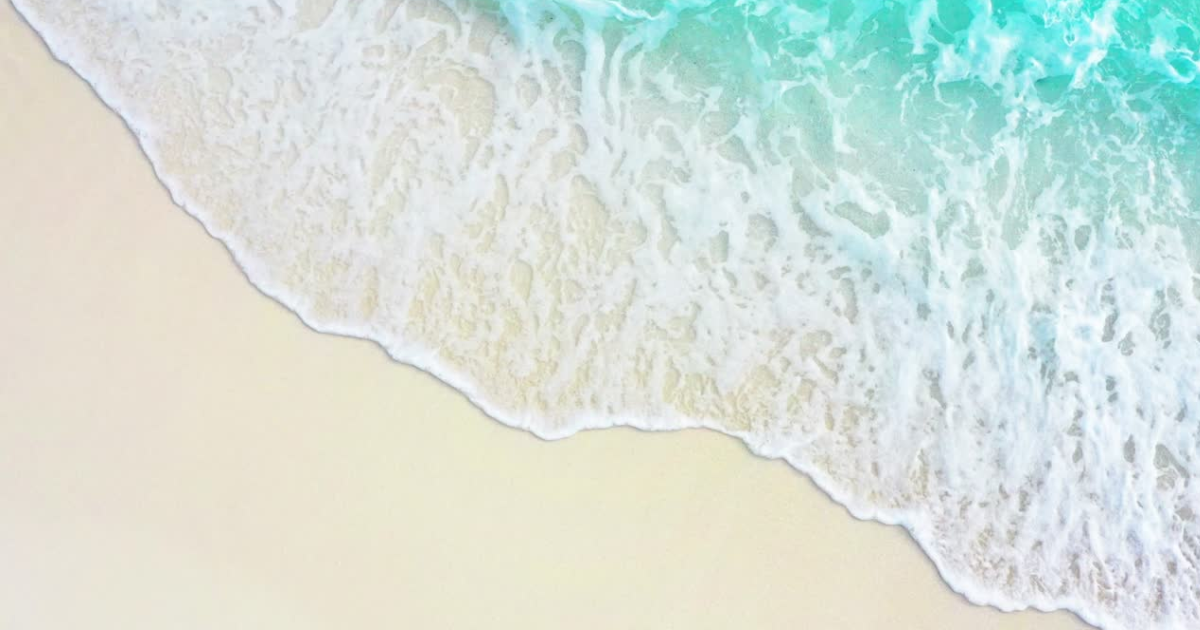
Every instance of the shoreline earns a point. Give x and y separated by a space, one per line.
221 285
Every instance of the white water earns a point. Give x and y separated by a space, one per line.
948 271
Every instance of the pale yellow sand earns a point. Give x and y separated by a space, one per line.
177 451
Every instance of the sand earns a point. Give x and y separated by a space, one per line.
178 451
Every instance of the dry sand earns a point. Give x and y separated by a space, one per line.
178 451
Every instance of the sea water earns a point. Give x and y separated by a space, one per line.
941 255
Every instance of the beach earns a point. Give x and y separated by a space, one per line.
178 450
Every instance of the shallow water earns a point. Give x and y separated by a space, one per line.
942 256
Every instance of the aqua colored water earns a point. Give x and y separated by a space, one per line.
944 257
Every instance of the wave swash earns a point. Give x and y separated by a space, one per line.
943 256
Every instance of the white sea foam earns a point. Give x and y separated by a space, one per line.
940 256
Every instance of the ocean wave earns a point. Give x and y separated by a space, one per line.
941 256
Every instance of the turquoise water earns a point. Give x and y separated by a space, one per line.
943 257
